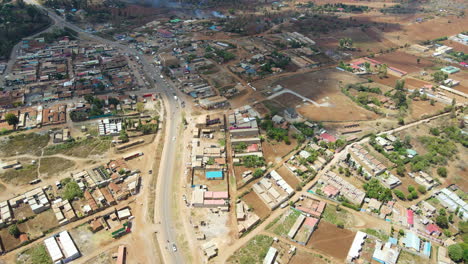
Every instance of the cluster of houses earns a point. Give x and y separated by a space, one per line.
35 116
333 185
63 69
311 210
273 190
208 163
99 193
246 218
452 202
296 162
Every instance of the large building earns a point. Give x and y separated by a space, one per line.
61 248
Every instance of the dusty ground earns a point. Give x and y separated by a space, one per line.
273 151
404 61
257 205
288 176
302 257
332 240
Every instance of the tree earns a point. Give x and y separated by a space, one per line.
12 120
455 252
442 221
410 188
140 107
123 136
71 191
399 194
439 76
14 230
442 171
422 189
418 60
401 170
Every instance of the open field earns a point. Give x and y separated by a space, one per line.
83 148
285 222
302 257
288 176
404 61
332 240
53 166
257 205
254 252
273 151
30 143
419 109
21 176
335 217
88 241
35 255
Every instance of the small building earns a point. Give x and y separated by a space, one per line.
386 253
270 256
450 69
433 230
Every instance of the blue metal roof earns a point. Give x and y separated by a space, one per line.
411 240
427 249
393 240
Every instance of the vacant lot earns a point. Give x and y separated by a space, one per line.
30 143
288 176
35 255
254 252
318 84
40 223
83 148
274 150
53 165
21 176
302 257
420 109
88 241
336 217
404 61
285 222
332 240
257 205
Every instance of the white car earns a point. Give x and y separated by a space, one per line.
173 138
174 248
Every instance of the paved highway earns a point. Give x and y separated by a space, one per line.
173 121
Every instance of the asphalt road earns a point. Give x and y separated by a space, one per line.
173 122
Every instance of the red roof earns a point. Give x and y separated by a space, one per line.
252 148
330 190
328 137
410 217
311 222
432 228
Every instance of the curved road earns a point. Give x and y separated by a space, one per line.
173 120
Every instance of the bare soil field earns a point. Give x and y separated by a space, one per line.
456 46
318 84
257 205
404 61
288 176
288 100
421 108
273 151
429 29
370 40
332 240
461 76
302 257
342 109
238 170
